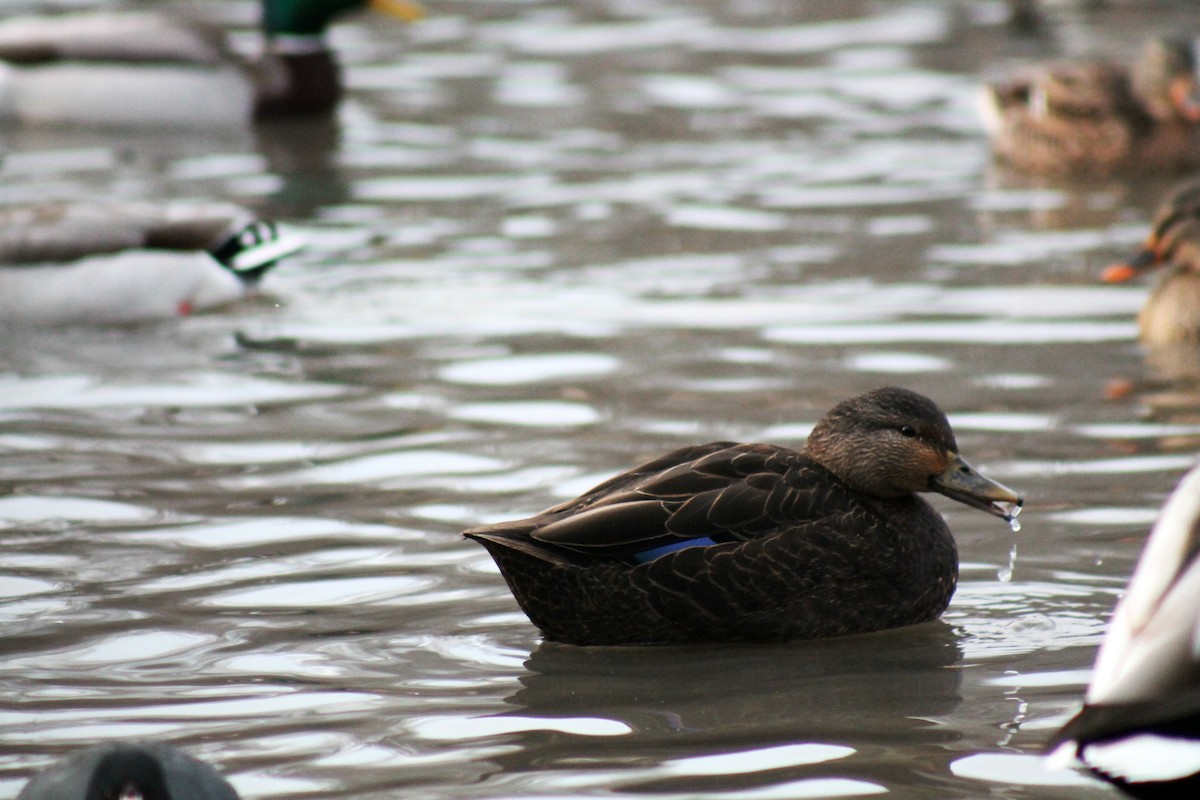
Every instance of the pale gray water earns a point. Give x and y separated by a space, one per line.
549 240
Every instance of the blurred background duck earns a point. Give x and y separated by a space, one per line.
91 263
754 542
128 771
1172 311
153 69
1140 724
1094 117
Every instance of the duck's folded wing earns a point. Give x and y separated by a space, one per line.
113 37
39 234
615 528
722 493
613 489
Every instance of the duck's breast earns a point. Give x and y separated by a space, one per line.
1172 311
151 95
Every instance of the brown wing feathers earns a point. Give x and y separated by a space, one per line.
720 490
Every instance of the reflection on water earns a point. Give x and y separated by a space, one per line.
547 241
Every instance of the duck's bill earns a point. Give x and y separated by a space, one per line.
1146 258
406 10
962 482
1185 94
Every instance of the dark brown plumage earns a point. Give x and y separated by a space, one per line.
736 542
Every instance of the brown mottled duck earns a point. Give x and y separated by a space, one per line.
1097 118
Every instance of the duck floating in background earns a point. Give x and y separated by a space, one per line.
1140 723
126 263
753 542
1096 118
146 68
1172 311
128 771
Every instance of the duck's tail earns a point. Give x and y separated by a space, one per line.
514 536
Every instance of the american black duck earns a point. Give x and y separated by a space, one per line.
755 542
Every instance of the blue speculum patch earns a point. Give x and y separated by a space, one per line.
655 552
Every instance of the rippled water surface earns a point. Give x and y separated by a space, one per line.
549 240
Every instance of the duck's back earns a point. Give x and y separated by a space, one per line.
794 554
1064 119
107 37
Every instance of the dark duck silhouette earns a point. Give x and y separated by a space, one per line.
1140 724
754 542
128 771
1172 311
1094 117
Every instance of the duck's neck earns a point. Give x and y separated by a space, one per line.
842 453
298 76
302 17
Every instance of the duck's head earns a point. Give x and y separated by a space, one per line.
312 17
251 248
891 442
1165 78
128 773
1174 239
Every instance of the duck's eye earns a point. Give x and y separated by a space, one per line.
908 431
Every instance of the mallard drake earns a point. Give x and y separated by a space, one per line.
1172 311
755 542
119 771
1140 724
123 263
1096 118
146 68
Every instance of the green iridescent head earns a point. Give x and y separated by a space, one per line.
304 17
